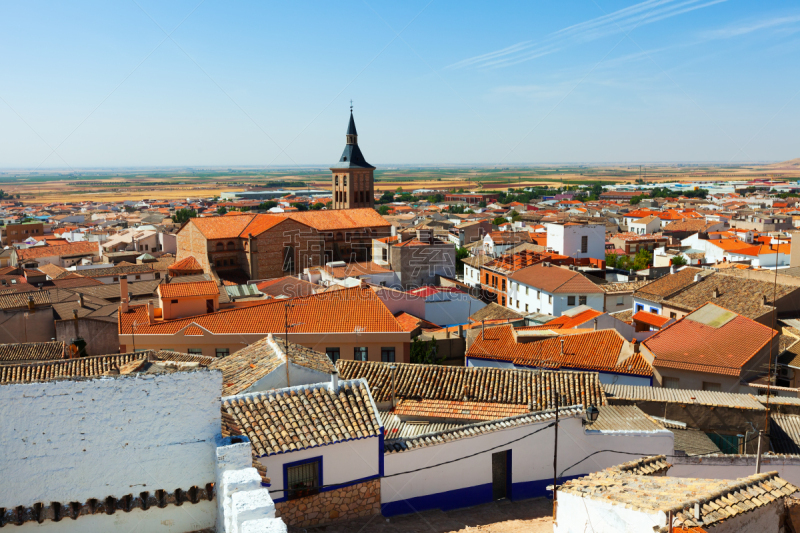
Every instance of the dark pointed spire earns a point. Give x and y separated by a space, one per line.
351 128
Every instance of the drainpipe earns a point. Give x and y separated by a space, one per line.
758 456
334 381
393 368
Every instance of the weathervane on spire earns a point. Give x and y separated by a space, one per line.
351 105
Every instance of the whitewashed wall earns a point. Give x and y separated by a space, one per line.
578 515
71 441
343 462
467 482
734 466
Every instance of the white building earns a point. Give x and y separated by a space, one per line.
639 496
135 449
577 241
645 226
553 290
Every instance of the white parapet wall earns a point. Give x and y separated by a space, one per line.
243 506
735 466
106 454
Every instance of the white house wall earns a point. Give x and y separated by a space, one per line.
170 519
70 441
575 514
566 240
469 482
342 463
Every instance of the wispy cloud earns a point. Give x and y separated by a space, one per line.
621 21
744 28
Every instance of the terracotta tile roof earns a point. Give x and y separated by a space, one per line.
651 319
53 271
730 245
287 420
286 286
555 279
457 410
600 351
74 248
229 227
646 466
193 331
343 311
495 311
356 269
719 499
32 351
433 438
478 384
573 321
669 284
409 322
18 300
711 339
87 367
740 295
339 219
74 281
119 270
697 225
189 263
178 290
243 369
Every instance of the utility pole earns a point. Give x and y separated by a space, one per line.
286 327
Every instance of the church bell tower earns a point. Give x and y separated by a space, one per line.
352 178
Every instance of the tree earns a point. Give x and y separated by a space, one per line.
383 210
329 205
182 216
317 206
642 260
266 206
636 199
425 352
611 260
221 210
300 206
499 221
386 197
128 208
407 197
679 261
514 216
399 190
461 254
482 203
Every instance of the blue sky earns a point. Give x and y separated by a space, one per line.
147 83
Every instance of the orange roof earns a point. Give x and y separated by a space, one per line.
765 249
189 263
197 288
73 248
227 227
710 339
329 220
729 244
650 319
193 330
458 409
569 322
342 311
598 350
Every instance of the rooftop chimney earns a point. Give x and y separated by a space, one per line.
697 277
31 304
151 310
764 299
562 346
715 293
671 267
335 381
123 294
393 368
80 299
635 346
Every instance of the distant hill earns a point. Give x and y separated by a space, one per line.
792 163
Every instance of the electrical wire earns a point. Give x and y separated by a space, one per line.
436 465
644 455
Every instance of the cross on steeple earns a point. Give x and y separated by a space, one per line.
351 105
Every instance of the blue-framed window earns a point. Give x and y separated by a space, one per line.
639 307
655 311
302 478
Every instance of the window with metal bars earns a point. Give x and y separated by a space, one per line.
302 480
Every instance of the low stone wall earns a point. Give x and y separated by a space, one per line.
362 499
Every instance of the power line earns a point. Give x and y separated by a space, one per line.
439 464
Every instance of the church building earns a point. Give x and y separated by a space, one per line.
353 181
